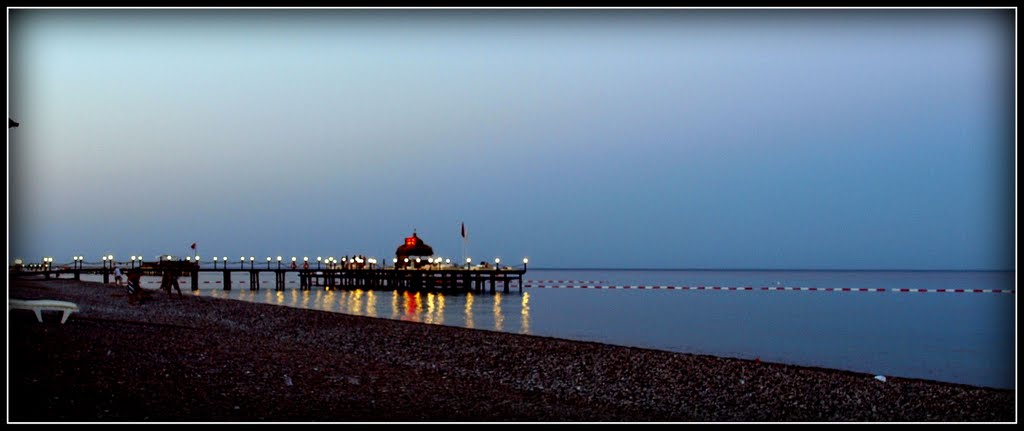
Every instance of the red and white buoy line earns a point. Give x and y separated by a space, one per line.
568 282
545 282
537 285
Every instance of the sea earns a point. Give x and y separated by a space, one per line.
950 326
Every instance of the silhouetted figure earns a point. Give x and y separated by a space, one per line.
11 123
170 280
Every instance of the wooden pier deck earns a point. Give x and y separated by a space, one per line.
448 279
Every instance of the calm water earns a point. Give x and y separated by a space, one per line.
954 337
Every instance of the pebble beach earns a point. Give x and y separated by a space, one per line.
201 359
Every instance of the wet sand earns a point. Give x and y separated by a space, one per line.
201 359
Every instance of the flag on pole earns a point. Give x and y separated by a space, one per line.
193 246
464 240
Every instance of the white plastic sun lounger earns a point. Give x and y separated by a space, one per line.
40 305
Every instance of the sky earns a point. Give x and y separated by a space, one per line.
653 138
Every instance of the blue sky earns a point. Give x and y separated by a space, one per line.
814 139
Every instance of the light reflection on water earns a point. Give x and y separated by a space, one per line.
439 316
525 312
394 305
355 305
371 303
469 310
499 319
429 318
424 307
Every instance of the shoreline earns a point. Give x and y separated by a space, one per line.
201 359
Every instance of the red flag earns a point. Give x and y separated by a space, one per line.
463 230
193 246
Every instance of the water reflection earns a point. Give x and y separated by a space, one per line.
469 310
394 304
327 300
411 303
371 303
499 319
439 312
355 303
430 308
525 313
423 306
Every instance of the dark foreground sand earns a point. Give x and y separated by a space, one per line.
197 359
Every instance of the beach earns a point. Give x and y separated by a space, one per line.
201 359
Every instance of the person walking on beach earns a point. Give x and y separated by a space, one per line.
170 280
117 275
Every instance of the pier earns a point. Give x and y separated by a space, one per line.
418 279
414 267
